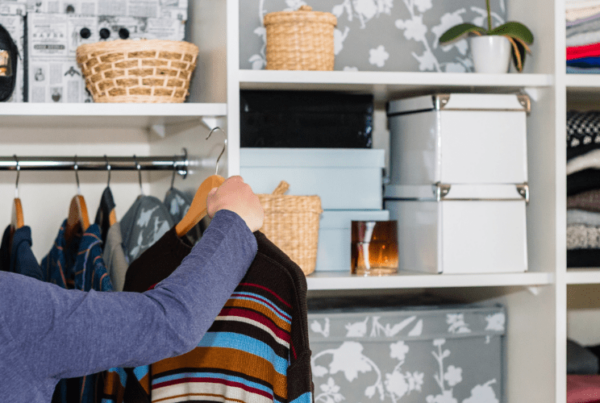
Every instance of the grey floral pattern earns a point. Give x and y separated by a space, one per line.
378 35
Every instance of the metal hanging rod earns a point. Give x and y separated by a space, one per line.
178 163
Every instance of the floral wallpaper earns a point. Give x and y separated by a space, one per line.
378 35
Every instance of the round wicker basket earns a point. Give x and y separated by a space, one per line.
150 71
292 223
300 40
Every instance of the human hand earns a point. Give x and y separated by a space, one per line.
237 196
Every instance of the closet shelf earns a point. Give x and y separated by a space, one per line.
583 276
388 84
406 279
119 115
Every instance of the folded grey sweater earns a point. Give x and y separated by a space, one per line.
48 333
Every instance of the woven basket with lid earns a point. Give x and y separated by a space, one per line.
149 71
292 223
300 40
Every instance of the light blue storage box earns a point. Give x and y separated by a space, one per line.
345 179
335 235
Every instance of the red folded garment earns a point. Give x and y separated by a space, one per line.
579 52
583 388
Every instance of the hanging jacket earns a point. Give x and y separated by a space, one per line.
256 350
144 223
78 265
19 257
106 206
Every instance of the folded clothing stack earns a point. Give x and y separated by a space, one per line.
583 36
583 381
583 189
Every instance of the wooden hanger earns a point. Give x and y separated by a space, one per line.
197 210
17 221
78 220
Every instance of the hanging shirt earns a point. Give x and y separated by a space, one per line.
82 262
5 250
19 259
114 257
257 343
144 223
178 203
22 260
51 333
107 205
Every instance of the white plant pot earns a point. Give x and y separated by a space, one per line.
491 54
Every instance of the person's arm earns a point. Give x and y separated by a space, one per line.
64 334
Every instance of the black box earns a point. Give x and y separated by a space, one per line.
305 119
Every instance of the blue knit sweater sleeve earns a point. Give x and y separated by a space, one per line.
63 334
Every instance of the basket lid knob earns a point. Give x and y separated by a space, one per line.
305 8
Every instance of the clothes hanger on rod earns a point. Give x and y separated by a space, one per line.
78 219
139 169
112 217
197 210
17 221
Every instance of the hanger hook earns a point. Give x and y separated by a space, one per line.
76 168
18 175
224 145
174 171
139 169
108 168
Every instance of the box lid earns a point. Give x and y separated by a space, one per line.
420 317
441 192
342 219
313 157
459 102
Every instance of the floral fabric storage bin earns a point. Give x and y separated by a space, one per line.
386 352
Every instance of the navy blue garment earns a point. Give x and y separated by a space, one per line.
22 260
584 62
5 250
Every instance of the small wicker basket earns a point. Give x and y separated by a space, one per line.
300 40
292 223
150 71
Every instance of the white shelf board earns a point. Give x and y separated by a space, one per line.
583 90
583 276
387 84
105 115
406 279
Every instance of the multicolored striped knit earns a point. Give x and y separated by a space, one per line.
256 351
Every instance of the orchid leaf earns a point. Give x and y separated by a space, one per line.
519 51
514 30
460 30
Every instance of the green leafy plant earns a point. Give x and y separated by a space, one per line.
518 34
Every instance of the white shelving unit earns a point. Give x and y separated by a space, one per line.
536 301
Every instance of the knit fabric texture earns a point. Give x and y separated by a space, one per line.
256 346
583 132
589 201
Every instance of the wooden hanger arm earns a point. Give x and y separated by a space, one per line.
17 219
78 217
197 210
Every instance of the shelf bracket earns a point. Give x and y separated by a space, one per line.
210 122
159 130
535 290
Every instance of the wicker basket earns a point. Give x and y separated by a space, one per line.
292 223
300 40
149 71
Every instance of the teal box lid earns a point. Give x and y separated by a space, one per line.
312 157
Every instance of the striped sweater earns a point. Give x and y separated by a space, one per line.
256 350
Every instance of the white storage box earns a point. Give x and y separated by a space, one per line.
460 228
345 179
335 237
458 139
